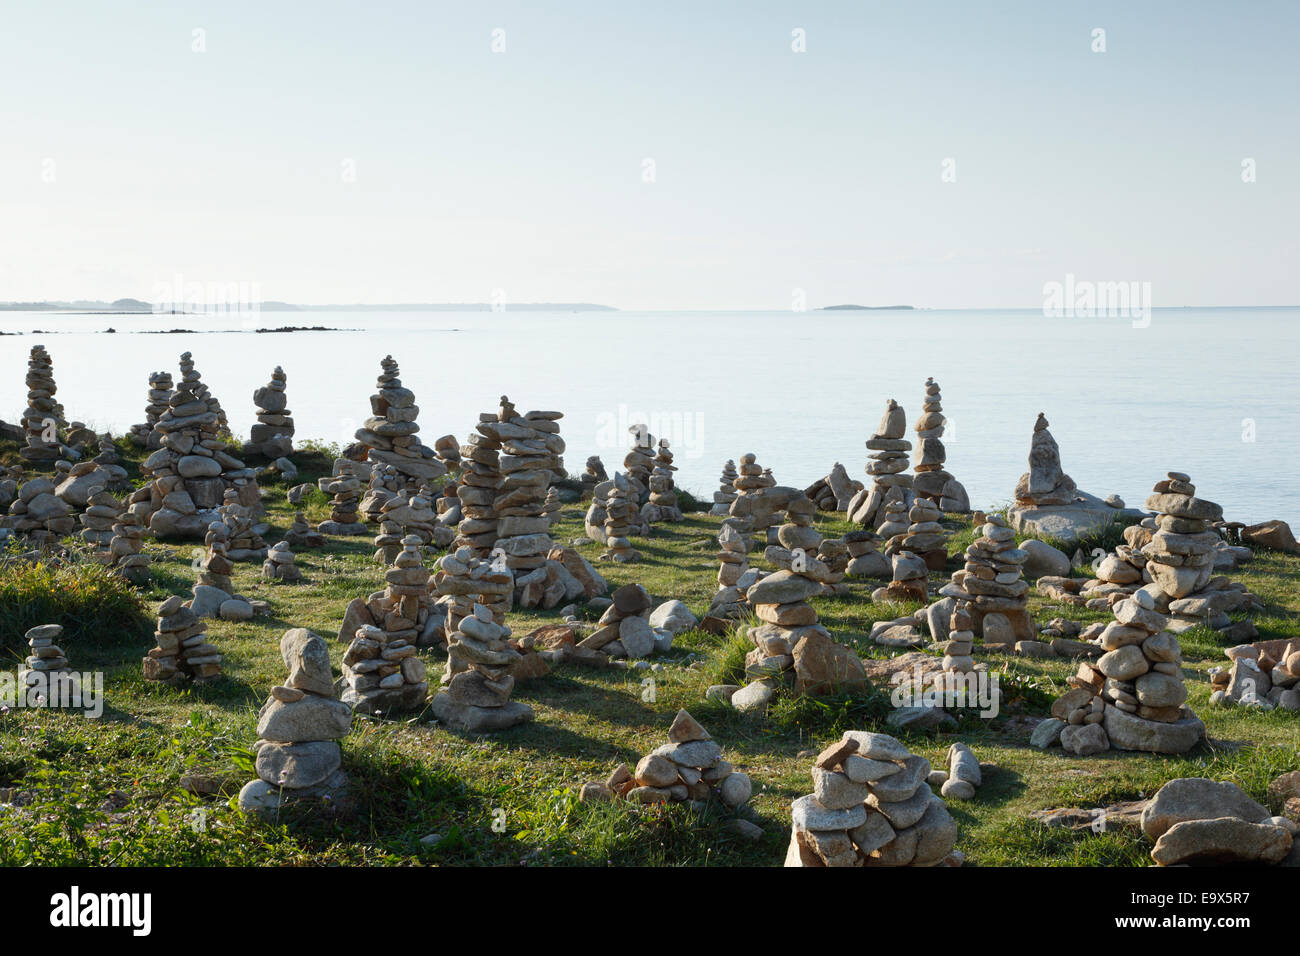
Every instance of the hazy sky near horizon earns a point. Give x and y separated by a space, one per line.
345 152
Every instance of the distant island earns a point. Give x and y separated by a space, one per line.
862 308
136 306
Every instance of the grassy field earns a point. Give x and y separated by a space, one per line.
109 791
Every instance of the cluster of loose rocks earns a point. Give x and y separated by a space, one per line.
871 805
182 653
1197 821
835 492
687 768
298 729
38 513
1263 675
624 630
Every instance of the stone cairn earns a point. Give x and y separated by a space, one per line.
390 433
464 580
638 464
932 482
624 629
126 549
618 523
103 510
381 673
887 467
1262 675
1180 558
298 731
477 682
38 513
871 805
531 448
480 483
1133 697
688 767
245 543
401 515
662 503
924 536
216 567
1045 483
300 534
963 776
182 652
752 487
592 476
191 471
959 646
279 564
729 602
726 493
836 491
146 435
272 436
382 485
447 506
447 448
44 415
865 559
44 658
908 581
552 506
344 516
992 586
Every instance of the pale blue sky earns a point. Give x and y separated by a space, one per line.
775 170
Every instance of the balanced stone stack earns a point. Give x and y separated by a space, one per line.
480 483
390 433
280 564
103 511
447 506
894 523
887 465
1180 558
531 447
192 471
618 523
552 506
924 536
662 504
300 534
1139 684
960 643
464 580
298 731
908 583
726 493
963 776
182 653
38 513
624 629
687 768
932 482
992 584
865 559
870 806
447 448
108 464
344 516
401 515
126 549
383 484
381 673
272 436
44 657
245 542
593 475
752 489
1045 483
638 464
216 566
477 682
43 420
146 435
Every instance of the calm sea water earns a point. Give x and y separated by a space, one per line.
1205 391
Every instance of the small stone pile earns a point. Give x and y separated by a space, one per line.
182 652
401 515
447 506
870 806
752 490
726 493
298 731
688 767
301 535
1180 558
592 476
960 643
963 776
447 448
464 580
908 582
836 491
108 465
865 559
381 673
103 510
344 517
192 470
1263 675
480 483
383 484
146 435
272 436
618 523
624 629
932 482
729 602
662 503
279 564
992 585
1133 697
43 418
216 566
390 433
477 682
888 462
44 657
38 513
552 506
924 536
245 542
126 549
638 464
1045 483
